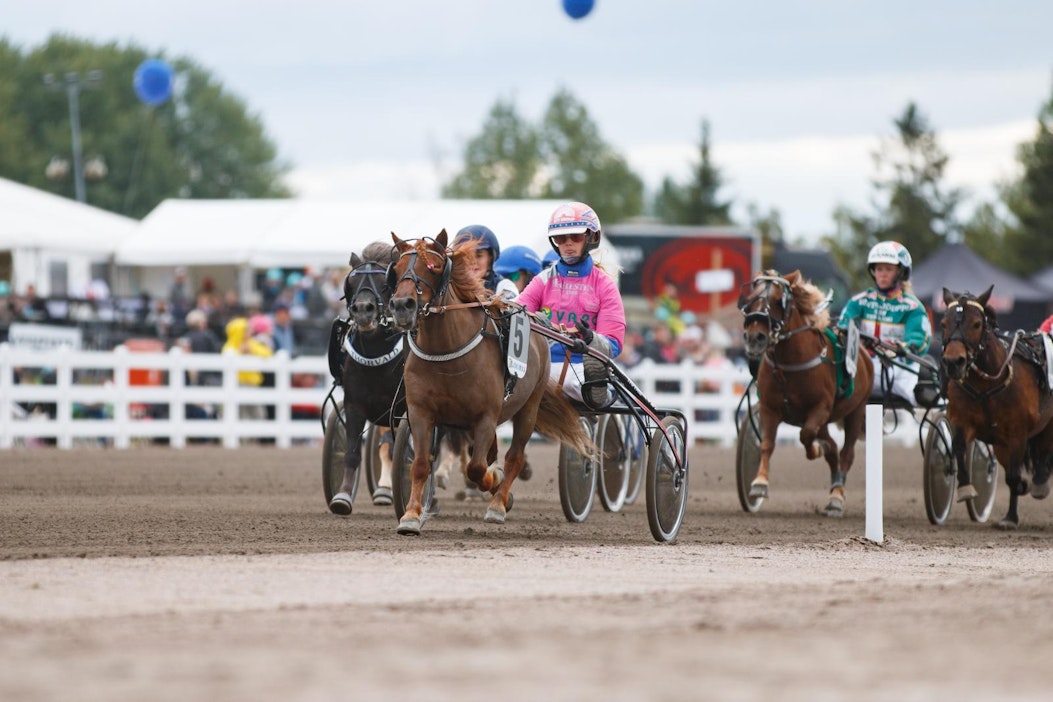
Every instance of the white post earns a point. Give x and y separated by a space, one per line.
875 528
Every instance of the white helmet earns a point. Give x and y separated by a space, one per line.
890 252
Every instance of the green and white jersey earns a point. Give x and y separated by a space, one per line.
900 317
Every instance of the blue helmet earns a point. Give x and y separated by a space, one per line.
550 258
488 240
516 258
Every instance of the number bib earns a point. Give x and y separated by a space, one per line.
518 343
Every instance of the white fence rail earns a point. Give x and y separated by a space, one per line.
121 396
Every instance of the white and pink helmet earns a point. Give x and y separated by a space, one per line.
575 218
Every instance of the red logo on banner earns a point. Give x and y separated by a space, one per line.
707 273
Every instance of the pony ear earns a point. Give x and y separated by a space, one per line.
399 243
794 277
354 261
949 296
442 238
983 297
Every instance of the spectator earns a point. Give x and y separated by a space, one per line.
178 295
242 343
272 288
34 308
200 339
659 345
284 336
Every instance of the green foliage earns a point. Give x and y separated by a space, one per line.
202 143
500 163
695 202
564 158
911 205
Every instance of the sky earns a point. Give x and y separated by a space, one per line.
377 100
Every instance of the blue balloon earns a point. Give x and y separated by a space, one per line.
578 8
153 81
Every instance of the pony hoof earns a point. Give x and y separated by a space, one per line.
494 516
340 504
511 501
526 472
409 526
758 491
1007 525
382 496
966 492
440 481
835 508
1040 492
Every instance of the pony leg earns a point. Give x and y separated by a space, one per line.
769 426
515 459
966 491
412 520
382 494
354 423
835 506
446 460
1017 487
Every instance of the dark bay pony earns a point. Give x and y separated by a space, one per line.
996 393
371 376
798 377
455 373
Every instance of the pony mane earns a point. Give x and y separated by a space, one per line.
464 284
380 252
807 297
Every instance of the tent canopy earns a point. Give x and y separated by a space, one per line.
300 233
35 219
957 268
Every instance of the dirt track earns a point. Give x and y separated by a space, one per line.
215 574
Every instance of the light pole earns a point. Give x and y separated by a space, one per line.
74 83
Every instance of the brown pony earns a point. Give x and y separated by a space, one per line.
455 373
797 378
995 393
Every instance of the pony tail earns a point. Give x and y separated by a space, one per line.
557 419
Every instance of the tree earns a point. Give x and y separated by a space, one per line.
910 203
582 166
201 143
563 158
1030 201
502 162
695 202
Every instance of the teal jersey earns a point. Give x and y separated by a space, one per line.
900 318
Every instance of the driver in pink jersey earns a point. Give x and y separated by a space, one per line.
576 292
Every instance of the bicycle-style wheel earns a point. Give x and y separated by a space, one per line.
938 470
402 455
371 456
577 480
334 446
747 460
636 452
614 463
983 471
667 480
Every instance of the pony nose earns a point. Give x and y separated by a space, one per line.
955 366
403 305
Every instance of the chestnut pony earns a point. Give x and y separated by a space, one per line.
455 371
798 378
996 393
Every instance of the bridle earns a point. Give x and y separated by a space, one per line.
367 273
438 290
975 351
775 322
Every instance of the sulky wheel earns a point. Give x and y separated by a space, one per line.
667 480
983 471
402 455
577 480
747 459
636 452
334 446
938 470
614 463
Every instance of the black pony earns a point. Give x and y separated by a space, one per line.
373 357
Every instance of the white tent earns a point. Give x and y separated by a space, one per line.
299 233
52 240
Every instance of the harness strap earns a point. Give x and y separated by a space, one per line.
372 362
563 373
439 358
